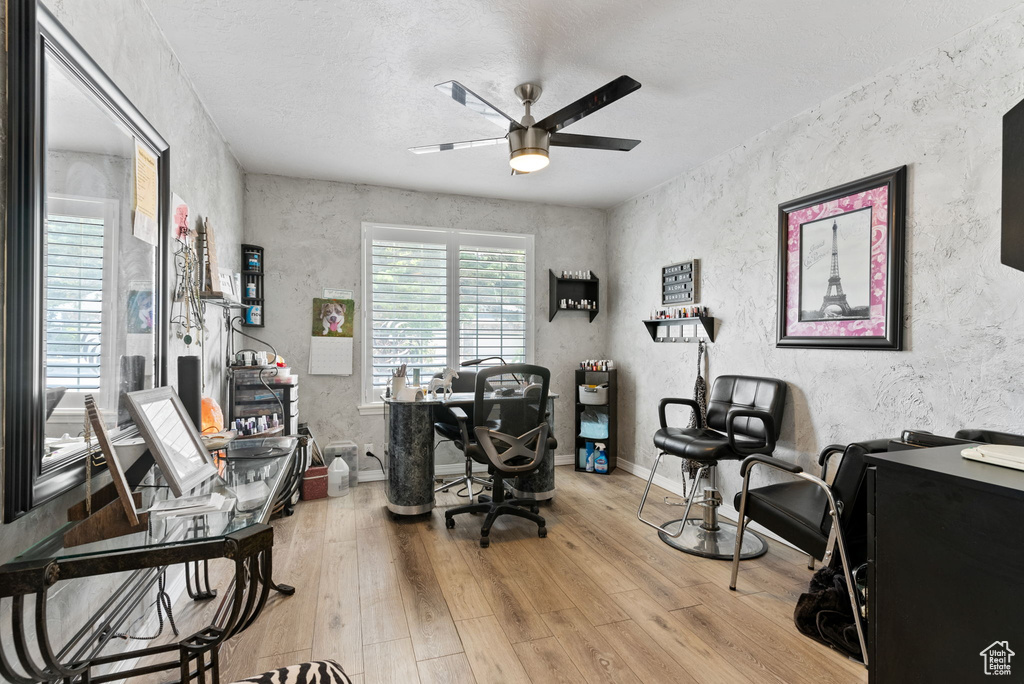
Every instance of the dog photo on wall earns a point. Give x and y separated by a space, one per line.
333 317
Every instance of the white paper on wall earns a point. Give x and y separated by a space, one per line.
330 356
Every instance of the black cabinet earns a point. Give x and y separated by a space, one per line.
590 418
945 567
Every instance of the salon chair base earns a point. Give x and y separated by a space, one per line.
718 544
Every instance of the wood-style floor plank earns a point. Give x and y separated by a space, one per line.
380 597
546 661
586 595
453 669
341 519
591 602
648 661
390 662
701 660
490 654
292 630
593 656
430 625
268 663
458 583
509 603
338 635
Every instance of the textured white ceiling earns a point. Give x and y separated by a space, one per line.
338 89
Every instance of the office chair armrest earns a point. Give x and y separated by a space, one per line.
682 402
779 464
766 420
463 418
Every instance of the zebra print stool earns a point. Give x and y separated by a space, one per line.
316 672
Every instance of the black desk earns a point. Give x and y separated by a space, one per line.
946 566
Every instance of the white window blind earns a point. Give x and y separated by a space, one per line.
492 303
409 320
74 301
436 298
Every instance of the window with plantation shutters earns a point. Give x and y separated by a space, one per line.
80 277
409 318
74 302
436 298
492 303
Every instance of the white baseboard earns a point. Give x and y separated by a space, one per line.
726 510
453 469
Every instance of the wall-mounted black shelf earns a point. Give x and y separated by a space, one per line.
573 289
611 442
254 276
705 328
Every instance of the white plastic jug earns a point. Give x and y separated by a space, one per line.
337 478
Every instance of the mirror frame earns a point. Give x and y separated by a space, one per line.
32 32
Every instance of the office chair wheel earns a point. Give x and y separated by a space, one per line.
484 542
542 532
535 509
449 523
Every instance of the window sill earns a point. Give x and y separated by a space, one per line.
371 409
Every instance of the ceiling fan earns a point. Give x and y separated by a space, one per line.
528 140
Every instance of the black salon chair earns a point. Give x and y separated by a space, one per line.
812 515
446 425
744 417
508 433
990 437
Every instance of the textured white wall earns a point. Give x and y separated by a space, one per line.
312 234
940 113
122 37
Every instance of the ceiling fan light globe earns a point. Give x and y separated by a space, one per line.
528 160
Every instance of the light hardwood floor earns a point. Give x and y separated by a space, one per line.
601 599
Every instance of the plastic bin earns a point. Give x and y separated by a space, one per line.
349 452
337 478
594 395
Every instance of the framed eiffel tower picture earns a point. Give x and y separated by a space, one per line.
841 266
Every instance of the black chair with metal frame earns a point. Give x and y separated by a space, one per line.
811 514
744 417
446 426
510 434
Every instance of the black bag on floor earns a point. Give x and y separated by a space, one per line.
824 613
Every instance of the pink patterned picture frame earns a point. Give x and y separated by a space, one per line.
841 254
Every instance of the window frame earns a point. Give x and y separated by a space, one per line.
453 239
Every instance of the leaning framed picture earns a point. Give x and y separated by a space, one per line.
171 437
841 266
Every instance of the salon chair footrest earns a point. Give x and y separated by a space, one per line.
718 544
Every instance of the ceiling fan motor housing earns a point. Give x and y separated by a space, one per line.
530 140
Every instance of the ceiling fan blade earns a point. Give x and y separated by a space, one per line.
465 144
587 105
466 97
593 142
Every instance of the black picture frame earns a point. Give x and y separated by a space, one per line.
32 33
892 339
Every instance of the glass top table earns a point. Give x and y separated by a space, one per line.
250 471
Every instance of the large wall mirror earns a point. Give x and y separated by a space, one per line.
87 241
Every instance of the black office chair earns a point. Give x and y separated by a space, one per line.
446 425
744 417
509 434
812 515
